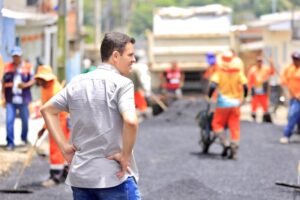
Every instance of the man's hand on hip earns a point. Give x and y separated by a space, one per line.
68 152
123 161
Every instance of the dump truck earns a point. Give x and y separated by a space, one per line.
185 36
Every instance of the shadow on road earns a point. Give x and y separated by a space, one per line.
215 156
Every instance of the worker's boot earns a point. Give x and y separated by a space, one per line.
253 115
64 173
54 179
225 151
233 151
224 142
267 118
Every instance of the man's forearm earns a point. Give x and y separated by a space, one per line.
129 134
30 83
129 137
50 115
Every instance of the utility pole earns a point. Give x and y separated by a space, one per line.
124 14
97 18
62 40
274 6
79 8
293 19
1 24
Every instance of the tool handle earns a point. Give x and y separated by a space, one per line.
26 163
159 102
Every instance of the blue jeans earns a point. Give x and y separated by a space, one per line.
10 121
293 117
127 190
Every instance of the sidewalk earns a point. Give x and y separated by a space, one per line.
34 126
8 158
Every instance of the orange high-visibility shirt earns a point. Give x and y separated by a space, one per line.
210 71
230 82
257 76
291 79
49 92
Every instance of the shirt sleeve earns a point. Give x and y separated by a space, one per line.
283 77
251 78
31 73
60 100
126 98
243 78
215 77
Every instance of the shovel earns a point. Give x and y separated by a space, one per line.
291 185
26 163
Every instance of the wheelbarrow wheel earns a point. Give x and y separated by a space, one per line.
204 141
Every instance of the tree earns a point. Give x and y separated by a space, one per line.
141 11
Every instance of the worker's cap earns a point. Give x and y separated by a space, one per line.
16 51
45 72
227 56
210 58
296 55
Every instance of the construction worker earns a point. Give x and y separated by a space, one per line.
211 60
258 84
290 78
212 65
173 80
16 83
139 91
228 80
49 87
1 67
88 66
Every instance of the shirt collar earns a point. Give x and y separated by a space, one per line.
109 67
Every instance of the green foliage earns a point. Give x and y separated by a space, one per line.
89 39
141 19
88 21
141 14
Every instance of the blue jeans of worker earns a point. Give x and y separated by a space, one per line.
11 110
293 117
127 190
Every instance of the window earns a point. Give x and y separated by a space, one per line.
17 41
32 2
296 29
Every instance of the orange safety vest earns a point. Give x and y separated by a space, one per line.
291 78
8 78
257 76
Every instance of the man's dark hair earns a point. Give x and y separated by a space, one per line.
114 41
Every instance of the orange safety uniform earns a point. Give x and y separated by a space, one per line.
291 79
230 80
139 98
208 74
140 102
56 158
1 67
210 71
258 83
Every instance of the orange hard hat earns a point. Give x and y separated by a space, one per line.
45 72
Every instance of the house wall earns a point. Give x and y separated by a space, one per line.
31 40
277 46
15 4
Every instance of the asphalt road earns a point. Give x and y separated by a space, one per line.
172 168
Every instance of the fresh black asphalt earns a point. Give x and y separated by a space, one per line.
172 167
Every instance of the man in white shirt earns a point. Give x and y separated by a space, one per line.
103 123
